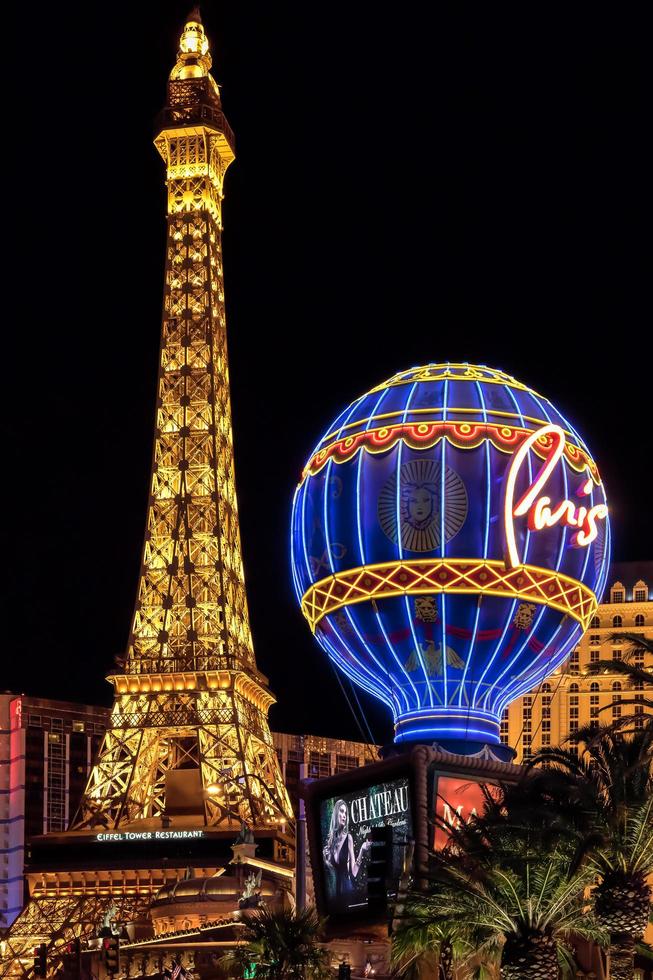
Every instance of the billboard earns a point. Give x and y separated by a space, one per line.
345 822
456 800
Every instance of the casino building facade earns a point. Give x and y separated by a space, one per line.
575 696
48 747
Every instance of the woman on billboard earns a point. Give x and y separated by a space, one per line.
339 853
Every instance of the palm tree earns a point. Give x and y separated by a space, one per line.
422 945
281 945
509 887
607 794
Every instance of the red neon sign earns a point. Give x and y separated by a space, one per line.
539 510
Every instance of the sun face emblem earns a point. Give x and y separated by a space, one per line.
417 502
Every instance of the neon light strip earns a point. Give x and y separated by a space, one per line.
446 712
488 492
331 565
511 614
472 372
463 435
400 548
394 686
347 668
544 671
530 477
443 546
517 688
436 410
293 562
361 549
456 575
550 666
443 732
309 571
513 659
551 663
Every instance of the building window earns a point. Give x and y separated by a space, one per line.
616 685
640 620
546 688
573 713
319 764
574 666
78 726
573 688
595 640
34 720
573 726
616 654
596 623
617 622
595 687
594 706
56 783
595 656
617 593
546 726
346 762
503 731
640 592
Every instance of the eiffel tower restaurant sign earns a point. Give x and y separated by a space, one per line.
150 835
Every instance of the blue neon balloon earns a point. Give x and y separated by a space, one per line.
403 558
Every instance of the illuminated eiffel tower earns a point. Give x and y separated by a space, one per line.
189 746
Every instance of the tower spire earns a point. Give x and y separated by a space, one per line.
193 56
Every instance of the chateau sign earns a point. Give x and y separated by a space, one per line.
151 835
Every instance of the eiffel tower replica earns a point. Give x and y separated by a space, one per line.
188 760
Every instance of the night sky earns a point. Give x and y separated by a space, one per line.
464 187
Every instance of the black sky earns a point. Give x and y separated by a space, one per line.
467 186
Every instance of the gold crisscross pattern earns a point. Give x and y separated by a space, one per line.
456 575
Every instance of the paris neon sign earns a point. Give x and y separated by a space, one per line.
538 508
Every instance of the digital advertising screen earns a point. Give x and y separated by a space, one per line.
456 800
346 823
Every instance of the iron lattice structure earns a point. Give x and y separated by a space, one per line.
190 695
57 921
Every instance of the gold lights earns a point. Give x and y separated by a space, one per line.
190 695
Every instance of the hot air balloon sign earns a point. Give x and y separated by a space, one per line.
450 543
